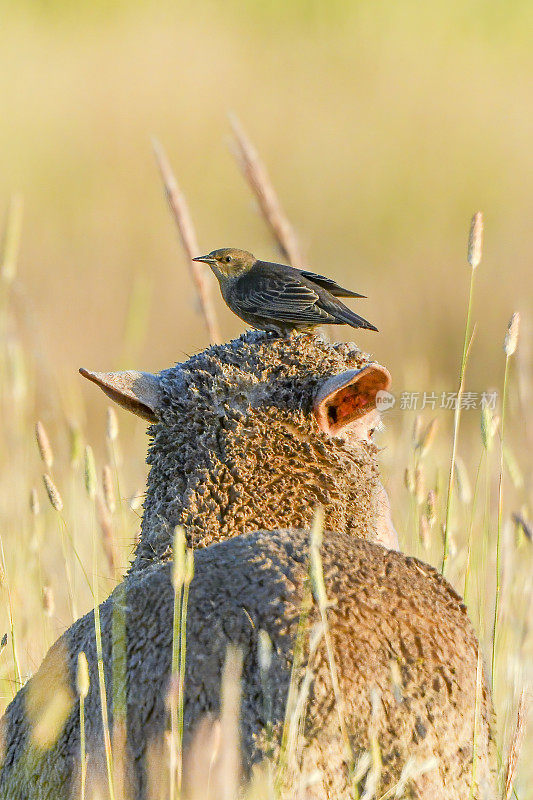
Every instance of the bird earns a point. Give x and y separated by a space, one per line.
278 298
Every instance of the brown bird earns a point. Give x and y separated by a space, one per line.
279 298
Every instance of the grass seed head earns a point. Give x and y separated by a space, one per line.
475 240
409 480
111 424
82 675
264 650
431 507
52 492
417 430
427 436
43 443
488 428
315 559
90 472
180 547
511 337
34 501
189 566
109 492
75 445
48 601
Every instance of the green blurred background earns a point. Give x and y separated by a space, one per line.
384 125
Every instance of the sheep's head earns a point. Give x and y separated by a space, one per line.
253 434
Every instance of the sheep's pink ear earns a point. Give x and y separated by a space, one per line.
135 391
350 399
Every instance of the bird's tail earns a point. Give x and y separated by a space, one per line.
348 317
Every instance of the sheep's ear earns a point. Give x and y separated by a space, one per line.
135 391
350 399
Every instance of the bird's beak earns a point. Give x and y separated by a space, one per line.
205 259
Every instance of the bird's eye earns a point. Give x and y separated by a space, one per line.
227 259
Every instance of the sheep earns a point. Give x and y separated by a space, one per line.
405 651
254 434
246 439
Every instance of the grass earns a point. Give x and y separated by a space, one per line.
475 246
478 541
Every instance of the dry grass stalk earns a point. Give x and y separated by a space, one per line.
111 424
109 491
108 537
417 430
82 687
431 507
48 601
264 657
297 695
49 699
175 697
509 346
319 591
525 526
90 472
257 176
34 502
420 489
424 532
43 443
475 247
136 500
489 426
456 421
426 437
201 759
409 480
180 210
513 467
101 682
75 444
11 239
229 766
462 481
516 742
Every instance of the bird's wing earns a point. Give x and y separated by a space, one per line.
282 297
329 284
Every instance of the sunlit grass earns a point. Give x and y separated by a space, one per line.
369 187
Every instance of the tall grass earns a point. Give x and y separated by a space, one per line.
475 247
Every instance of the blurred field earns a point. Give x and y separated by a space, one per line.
384 127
